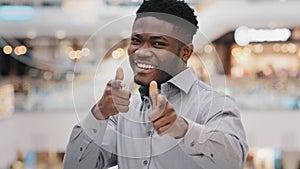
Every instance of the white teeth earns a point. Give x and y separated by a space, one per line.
144 66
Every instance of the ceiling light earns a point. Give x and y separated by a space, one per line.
258 48
7 49
118 53
277 47
68 49
85 52
31 34
292 48
284 48
237 71
60 34
244 35
48 75
20 50
72 55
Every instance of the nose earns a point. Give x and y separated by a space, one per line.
143 53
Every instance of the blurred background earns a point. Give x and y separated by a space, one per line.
57 55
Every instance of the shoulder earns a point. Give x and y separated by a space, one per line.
213 99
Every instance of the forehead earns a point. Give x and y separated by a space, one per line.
153 25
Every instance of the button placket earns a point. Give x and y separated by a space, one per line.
192 144
149 133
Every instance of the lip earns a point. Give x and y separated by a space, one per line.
144 67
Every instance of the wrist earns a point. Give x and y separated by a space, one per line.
181 128
184 127
98 114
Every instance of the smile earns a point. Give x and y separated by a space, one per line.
144 66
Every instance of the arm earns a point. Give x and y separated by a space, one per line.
220 142
92 145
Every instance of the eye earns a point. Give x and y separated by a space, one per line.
159 44
135 41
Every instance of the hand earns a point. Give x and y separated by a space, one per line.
114 99
163 116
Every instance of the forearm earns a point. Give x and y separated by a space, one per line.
212 148
85 149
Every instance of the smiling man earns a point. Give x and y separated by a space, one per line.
177 121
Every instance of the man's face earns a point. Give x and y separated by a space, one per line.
154 51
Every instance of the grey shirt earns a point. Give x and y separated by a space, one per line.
215 138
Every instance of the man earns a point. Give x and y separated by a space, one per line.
178 122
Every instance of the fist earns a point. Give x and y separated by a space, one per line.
163 116
114 99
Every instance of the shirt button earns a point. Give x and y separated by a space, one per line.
212 155
95 130
149 133
145 162
192 144
80 148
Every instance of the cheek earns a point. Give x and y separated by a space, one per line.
168 60
130 50
129 53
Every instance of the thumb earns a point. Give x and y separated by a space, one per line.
118 82
119 74
153 92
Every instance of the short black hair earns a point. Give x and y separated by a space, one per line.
172 7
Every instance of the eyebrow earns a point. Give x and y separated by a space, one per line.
158 37
136 34
152 37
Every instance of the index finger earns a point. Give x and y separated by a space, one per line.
153 92
118 82
160 109
119 74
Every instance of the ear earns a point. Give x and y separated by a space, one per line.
186 52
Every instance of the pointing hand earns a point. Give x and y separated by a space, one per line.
164 117
114 99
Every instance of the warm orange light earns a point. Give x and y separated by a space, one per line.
68 49
237 71
7 49
258 48
20 50
118 53
284 48
247 50
236 51
292 48
75 54
277 47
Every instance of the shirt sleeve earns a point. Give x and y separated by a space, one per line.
220 142
92 144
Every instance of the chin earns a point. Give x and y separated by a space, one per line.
145 79
142 82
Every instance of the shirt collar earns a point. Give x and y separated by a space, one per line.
184 80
